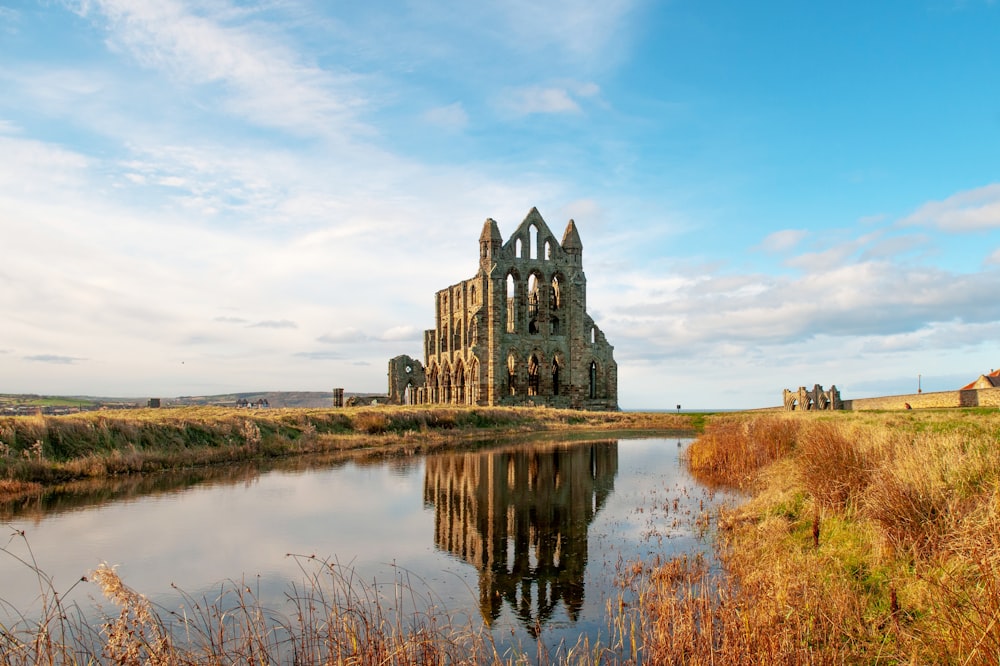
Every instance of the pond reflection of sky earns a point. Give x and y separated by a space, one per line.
372 517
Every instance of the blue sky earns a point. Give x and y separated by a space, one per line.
205 197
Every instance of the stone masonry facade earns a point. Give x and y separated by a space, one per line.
517 333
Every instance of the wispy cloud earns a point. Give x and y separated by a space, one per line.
274 323
347 335
547 99
451 117
321 355
972 210
54 358
782 241
262 79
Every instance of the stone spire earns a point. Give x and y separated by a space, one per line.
490 242
571 242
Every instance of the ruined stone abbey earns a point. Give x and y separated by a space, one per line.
516 333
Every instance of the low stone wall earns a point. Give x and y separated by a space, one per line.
986 397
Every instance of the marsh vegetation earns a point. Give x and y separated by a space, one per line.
864 538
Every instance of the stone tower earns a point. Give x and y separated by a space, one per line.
518 332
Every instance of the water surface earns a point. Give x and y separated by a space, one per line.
525 537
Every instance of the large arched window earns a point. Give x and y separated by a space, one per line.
555 294
532 241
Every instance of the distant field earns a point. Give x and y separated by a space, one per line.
45 401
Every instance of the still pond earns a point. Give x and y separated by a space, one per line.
524 536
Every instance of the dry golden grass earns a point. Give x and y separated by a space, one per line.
867 538
57 449
875 538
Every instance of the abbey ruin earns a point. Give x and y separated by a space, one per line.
516 333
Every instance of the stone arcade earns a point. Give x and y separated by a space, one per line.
517 333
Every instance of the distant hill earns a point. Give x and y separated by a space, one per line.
25 403
273 398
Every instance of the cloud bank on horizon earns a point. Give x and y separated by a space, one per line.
215 196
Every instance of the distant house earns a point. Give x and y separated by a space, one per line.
991 380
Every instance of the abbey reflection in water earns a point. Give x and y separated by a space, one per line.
520 516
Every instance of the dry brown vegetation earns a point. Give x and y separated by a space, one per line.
56 449
868 538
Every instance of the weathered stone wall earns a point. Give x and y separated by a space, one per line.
985 397
518 332
406 379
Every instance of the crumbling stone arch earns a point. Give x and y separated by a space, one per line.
458 382
536 303
473 381
555 292
434 383
557 366
513 282
512 371
534 374
816 399
446 382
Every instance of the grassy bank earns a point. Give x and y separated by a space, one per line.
868 538
44 450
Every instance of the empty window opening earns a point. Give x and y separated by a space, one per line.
511 304
533 375
593 380
532 304
554 326
511 375
532 241
555 378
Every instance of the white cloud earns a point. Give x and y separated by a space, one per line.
547 99
782 241
346 335
972 210
451 117
405 332
264 81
